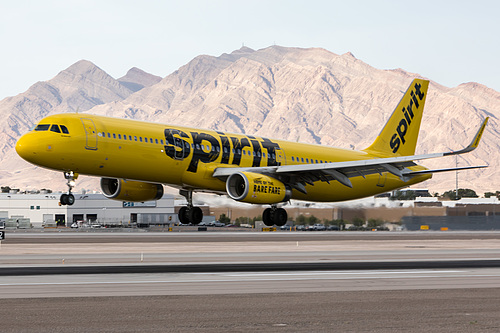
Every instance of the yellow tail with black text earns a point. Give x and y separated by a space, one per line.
399 136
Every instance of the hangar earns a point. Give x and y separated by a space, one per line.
44 209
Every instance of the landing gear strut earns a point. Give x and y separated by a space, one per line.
274 216
68 199
189 214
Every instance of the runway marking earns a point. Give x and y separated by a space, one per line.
340 273
250 280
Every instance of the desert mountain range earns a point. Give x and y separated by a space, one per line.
306 95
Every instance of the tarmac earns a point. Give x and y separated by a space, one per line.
243 282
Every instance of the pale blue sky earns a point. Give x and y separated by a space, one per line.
450 42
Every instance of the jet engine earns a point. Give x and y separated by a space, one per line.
256 188
129 190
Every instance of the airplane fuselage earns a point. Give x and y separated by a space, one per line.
186 157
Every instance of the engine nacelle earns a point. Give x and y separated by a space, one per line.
129 190
256 188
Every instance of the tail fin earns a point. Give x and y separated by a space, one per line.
399 136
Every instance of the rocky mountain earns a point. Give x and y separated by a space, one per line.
314 96
136 79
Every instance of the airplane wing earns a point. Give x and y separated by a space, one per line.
301 174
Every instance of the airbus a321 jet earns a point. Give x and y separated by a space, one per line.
134 159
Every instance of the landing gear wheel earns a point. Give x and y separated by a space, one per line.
267 217
63 199
70 199
280 217
189 214
183 215
195 215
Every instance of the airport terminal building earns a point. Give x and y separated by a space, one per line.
45 210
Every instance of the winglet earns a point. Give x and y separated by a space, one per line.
475 142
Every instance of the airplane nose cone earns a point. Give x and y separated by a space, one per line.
24 148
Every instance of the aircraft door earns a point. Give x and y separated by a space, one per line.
90 133
280 157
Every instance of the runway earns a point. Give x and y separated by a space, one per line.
311 283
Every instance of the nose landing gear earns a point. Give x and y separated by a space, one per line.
69 198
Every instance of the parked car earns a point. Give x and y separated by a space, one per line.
74 225
333 227
319 227
219 224
300 227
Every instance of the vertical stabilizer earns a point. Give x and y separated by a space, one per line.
399 136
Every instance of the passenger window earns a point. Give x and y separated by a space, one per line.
124 137
42 128
64 129
293 160
186 144
130 137
109 135
114 136
197 146
218 149
263 155
225 150
258 154
150 140
55 128
239 151
302 159
274 157
156 141
119 136
140 138
161 141
135 138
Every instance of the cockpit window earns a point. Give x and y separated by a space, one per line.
55 128
64 129
42 127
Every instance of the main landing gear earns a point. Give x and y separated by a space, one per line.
274 216
189 214
68 199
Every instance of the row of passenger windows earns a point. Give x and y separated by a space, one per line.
129 137
207 148
53 128
306 160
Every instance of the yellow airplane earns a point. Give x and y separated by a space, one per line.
136 158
